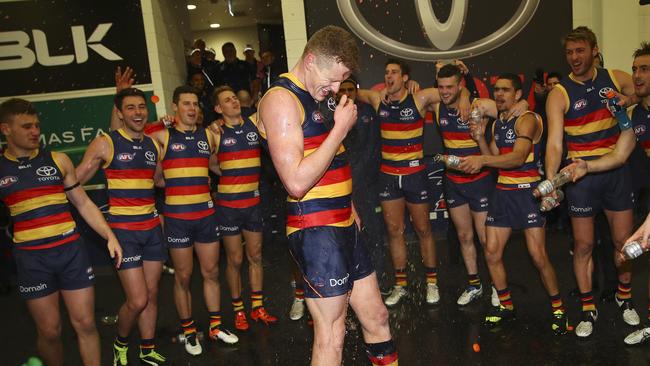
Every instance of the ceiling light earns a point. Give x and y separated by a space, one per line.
215 25
191 6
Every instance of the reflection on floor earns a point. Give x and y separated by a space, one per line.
425 335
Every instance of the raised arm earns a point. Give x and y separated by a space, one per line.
556 105
98 151
626 84
281 121
90 213
369 97
123 80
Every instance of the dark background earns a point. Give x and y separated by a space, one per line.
125 37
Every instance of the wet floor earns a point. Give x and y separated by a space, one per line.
425 335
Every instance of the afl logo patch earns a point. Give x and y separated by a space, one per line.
580 104
125 157
229 141
603 92
149 155
177 146
639 130
203 145
384 113
251 136
443 122
7 181
317 116
46 171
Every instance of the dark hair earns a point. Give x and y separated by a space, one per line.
554 74
448 71
15 106
228 44
404 67
218 91
128 92
516 81
352 80
644 50
581 33
184 89
334 43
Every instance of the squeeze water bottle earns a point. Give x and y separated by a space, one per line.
619 112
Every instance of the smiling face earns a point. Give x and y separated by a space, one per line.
187 109
394 78
580 57
641 76
134 113
324 77
449 89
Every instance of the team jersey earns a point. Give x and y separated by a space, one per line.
401 137
185 169
458 141
328 202
32 189
238 152
526 175
640 117
129 176
590 129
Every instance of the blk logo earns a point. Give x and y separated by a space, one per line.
17 55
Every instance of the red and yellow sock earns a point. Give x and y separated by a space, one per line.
556 303
624 291
189 329
121 341
299 293
431 274
147 345
257 299
237 304
382 354
400 277
215 319
587 300
474 281
505 299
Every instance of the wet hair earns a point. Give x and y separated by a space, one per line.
15 106
644 50
333 43
514 79
581 33
184 89
218 91
554 74
128 92
404 67
448 71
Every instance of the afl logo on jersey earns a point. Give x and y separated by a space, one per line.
444 122
7 181
251 136
639 130
603 92
203 145
229 141
149 155
46 171
384 113
125 157
406 112
177 146
317 116
580 104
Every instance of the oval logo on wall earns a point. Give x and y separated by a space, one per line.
443 36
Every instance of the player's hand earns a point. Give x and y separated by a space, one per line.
477 130
439 66
471 164
412 86
577 169
642 234
124 80
217 126
115 251
518 109
345 114
461 65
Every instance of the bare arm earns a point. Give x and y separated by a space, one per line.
280 119
369 97
97 152
91 214
624 79
123 80
555 107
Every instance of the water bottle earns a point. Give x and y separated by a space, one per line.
548 203
180 338
619 112
450 161
633 250
475 117
547 186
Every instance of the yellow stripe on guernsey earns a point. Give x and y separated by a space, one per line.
309 151
459 144
595 152
401 135
328 191
240 163
37 202
530 158
133 210
401 156
517 180
186 172
43 232
237 188
595 126
130 183
188 199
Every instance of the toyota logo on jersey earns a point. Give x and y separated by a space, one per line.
46 171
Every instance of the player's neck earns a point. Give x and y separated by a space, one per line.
398 95
233 121
587 75
184 126
134 135
19 152
646 101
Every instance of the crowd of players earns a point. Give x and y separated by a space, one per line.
310 137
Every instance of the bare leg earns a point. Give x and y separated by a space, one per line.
420 216
81 308
497 237
47 317
208 254
329 329
148 316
